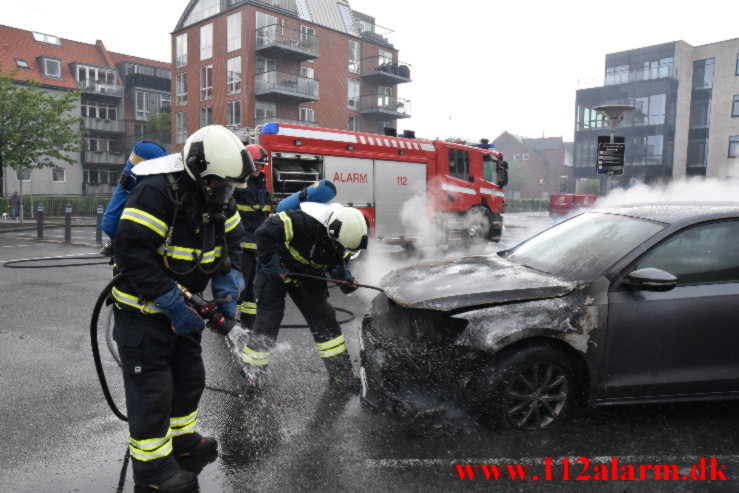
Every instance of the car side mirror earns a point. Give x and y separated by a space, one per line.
651 279
503 174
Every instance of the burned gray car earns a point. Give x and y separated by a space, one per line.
624 305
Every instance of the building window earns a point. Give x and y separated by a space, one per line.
737 64
353 56
525 157
352 122
139 131
233 32
99 110
385 57
24 175
266 65
308 72
181 88
735 106
181 55
98 145
617 75
353 94
206 116
206 41
206 82
233 113
266 28
52 67
148 103
703 74
698 152
265 110
516 157
19 62
307 115
734 146
233 75
58 175
307 37
181 127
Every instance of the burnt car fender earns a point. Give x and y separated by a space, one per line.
571 318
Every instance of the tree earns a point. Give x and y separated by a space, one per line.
590 185
37 129
519 175
159 126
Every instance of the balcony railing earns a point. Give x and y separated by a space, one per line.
624 77
109 126
384 71
278 86
101 88
289 5
281 41
105 157
379 105
271 119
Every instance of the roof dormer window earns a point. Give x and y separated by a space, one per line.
47 38
52 67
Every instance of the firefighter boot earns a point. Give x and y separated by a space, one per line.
340 375
194 445
179 482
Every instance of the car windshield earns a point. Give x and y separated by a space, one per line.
584 246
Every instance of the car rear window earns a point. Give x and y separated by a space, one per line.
583 247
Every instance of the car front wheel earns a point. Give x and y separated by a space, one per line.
530 389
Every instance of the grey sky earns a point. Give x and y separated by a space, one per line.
478 67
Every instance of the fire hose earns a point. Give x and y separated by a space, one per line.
335 281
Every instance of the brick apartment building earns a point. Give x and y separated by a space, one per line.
118 94
544 165
243 63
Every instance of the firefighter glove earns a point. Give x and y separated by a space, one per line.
273 268
341 273
230 284
184 319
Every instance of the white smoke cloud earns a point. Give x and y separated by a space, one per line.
692 190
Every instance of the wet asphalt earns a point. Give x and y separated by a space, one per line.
57 433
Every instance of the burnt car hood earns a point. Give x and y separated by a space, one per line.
465 282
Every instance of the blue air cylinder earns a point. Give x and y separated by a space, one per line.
321 191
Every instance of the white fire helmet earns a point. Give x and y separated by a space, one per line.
348 226
216 151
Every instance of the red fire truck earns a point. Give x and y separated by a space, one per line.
460 186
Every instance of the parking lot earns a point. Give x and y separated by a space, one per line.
58 433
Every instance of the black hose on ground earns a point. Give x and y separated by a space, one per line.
13 264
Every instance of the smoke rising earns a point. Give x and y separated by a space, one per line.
692 190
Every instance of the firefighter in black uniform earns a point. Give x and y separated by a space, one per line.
315 239
254 205
175 228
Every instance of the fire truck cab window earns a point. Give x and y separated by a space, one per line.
459 164
489 168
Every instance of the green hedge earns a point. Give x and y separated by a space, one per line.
527 205
54 206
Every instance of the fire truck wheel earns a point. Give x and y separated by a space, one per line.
477 223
